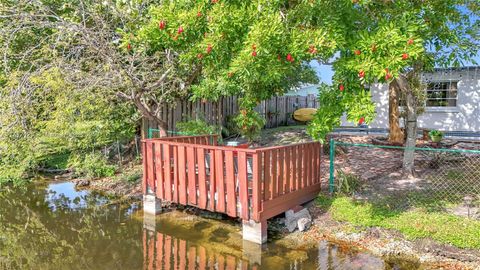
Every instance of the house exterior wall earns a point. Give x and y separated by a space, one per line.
464 117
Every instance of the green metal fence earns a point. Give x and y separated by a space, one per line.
155 133
447 178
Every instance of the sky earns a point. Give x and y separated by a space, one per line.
325 72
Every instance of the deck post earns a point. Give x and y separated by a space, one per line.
255 232
151 204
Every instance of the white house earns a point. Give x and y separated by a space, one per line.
452 103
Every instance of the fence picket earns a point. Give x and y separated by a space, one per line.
280 172
168 172
274 174
267 194
299 167
175 174
256 185
220 182
182 179
212 178
202 180
230 181
192 176
287 169
150 168
159 171
243 184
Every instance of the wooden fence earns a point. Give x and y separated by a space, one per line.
252 184
277 111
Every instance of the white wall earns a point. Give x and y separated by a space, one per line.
464 117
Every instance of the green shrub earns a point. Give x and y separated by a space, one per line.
250 124
347 183
130 176
435 133
95 165
197 127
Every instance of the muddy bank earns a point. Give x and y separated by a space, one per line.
388 244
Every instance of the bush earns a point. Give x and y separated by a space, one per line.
347 183
250 124
95 165
131 177
197 127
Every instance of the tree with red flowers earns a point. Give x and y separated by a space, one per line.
251 49
392 42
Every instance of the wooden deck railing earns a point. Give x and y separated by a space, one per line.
247 183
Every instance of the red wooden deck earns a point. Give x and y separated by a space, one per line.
252 184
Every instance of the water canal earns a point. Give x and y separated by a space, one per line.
54 226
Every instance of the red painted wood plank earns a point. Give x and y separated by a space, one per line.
316 154
304 167
202 179
183 255
144 162
230 182
267 193
287 169
168 172
192 176
192 258
298 182
175 183
150 168
319 162
220 181
308 163
312 163
256 187
273 174
182 175
159 260
280 176
212 179
293 166
158 171
243 185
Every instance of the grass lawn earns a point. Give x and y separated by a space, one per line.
417 223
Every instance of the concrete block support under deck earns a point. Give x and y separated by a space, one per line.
255 232
151 205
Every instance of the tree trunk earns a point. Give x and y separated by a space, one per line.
395 135
411 126
147 113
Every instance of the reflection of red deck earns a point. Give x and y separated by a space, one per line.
252 184
162 251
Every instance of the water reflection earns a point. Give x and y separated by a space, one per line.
192 244
53 226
